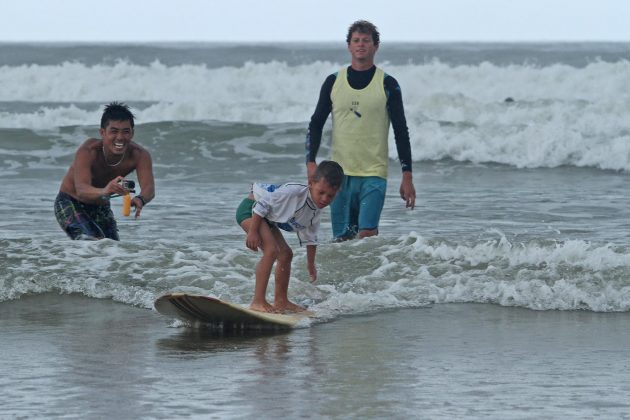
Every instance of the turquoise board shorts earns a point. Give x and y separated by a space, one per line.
357 206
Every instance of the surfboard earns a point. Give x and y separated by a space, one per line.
221 314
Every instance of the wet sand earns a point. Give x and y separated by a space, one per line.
75 356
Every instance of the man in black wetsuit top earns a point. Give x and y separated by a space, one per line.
363 100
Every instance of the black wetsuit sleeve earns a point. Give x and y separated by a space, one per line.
399 122
316 126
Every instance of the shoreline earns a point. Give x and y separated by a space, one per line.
79 356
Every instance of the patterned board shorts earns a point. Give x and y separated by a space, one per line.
85 221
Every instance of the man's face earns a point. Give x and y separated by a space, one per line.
322 193
361 47
117 136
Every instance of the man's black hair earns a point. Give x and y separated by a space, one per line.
116 111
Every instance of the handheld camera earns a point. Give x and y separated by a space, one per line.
129 185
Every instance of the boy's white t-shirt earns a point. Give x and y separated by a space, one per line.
289 206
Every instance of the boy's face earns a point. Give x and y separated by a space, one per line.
322 193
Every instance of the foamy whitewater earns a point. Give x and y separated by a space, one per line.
521 159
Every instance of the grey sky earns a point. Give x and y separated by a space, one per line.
314 20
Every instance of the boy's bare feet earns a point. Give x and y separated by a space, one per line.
262 307
288 306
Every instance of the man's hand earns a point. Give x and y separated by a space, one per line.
114 187
137 203
311 167
407 190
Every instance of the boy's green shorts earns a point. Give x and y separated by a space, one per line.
244 210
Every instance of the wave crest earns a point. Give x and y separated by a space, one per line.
558 115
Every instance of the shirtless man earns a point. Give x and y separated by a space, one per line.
82 206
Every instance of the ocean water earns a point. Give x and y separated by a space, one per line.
522 205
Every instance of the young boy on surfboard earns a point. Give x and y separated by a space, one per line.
293 207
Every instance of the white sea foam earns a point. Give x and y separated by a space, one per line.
411 271
562 115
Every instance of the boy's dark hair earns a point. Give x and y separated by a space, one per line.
116 111
364 27
331 172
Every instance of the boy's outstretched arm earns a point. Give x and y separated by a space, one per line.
310 261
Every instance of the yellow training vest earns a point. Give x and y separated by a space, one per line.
360 126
